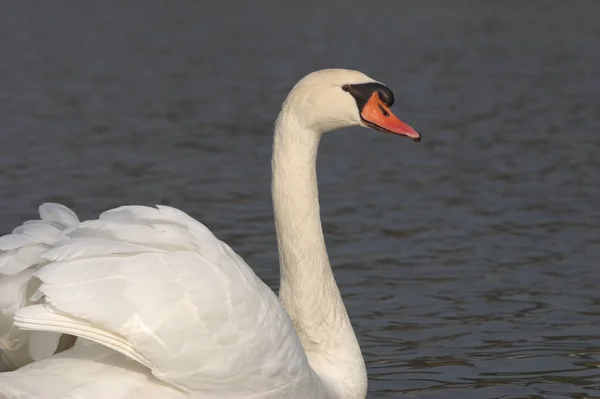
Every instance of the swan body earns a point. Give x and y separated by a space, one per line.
162 308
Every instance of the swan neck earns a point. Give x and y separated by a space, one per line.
308 289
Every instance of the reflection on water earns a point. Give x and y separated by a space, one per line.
468 262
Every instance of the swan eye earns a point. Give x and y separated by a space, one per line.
383 111
346 87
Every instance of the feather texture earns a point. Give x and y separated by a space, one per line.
157 286
85 371
20 256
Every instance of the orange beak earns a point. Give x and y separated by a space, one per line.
378 116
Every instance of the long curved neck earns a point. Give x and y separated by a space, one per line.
308 289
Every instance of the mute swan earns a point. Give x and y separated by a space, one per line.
163 309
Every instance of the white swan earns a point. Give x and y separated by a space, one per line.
163 309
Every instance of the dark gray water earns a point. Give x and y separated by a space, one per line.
469 263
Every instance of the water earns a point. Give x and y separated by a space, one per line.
469 262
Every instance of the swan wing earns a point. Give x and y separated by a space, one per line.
20 257
157 286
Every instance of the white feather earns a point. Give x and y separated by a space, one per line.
58 213
41 231
20 256
14 241
160 235
90 247
85 371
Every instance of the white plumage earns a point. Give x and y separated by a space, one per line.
20 257
153 301
162 309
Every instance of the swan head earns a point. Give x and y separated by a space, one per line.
331 99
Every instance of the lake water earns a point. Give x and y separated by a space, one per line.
469 263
